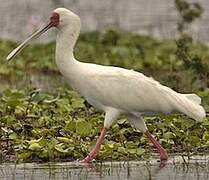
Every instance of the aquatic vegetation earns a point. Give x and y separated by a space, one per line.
48 126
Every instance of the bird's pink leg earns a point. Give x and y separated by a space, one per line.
160 149
96 149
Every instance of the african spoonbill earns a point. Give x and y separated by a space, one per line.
116 91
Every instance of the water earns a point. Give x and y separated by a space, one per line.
47 81
177 168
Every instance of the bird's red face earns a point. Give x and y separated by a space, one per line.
55 19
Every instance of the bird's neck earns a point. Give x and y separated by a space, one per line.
65 42
70 68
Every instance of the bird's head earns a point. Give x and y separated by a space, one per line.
60 18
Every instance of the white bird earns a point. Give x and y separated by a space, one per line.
116 91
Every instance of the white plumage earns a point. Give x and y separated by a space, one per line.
128 91
112 89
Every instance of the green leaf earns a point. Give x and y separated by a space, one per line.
13 102
77 103
169 135
71 125
13 98
121 121
48 101
83 128
132 151
121 150
38 97
34 146
13 94
35 141
59 148
13 136
24 156
63 139
140 151
206 136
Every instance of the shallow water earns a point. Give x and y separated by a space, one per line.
176 168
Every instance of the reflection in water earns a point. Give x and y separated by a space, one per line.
176 169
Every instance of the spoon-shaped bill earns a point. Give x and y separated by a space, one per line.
17 50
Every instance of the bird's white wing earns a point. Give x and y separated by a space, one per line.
127 90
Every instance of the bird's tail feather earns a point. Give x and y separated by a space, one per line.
194 98
189 104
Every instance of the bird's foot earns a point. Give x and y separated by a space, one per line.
163 158
163 163
89 157
86 160
163 155
160 149
96 149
